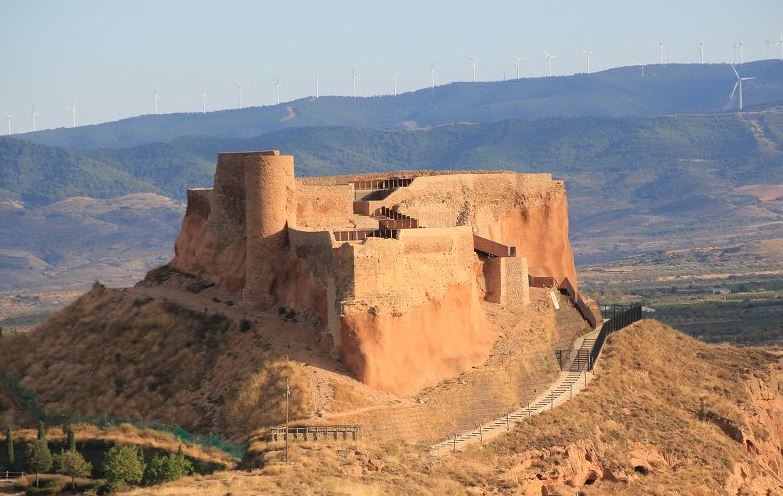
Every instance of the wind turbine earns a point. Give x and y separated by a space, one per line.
660 52
239 93
587 54
354 78
780 44
738 84
317 85
157 98
395 83
433 72
473 63
740 44
517 62
203 102
8 118
701 52
72 106
35 114
549 62
277 90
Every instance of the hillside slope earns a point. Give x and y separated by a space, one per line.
175 349
626 91
130 356
666 415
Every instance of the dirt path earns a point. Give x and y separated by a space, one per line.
291 114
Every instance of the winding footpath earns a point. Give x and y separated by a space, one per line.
568 383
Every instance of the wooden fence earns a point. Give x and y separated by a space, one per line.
362 234
620 320
315 432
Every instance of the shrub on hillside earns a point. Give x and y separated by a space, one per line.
39 458
72 464
168 468
123 466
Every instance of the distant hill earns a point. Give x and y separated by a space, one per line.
660 152
38 174
670 88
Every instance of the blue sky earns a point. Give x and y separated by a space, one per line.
111 56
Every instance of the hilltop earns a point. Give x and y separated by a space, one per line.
666 415
626 91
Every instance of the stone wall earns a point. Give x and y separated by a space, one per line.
309 283
405 272
228 213
506 280
529 211
412 313
324 206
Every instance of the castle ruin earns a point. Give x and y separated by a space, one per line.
393 266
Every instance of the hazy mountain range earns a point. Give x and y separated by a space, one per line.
627 91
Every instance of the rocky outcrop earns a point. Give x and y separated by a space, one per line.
197 249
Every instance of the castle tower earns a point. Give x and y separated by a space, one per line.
270 205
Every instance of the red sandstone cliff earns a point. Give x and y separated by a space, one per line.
196 250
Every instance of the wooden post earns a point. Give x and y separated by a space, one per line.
481 434
508 424
287 395
455 442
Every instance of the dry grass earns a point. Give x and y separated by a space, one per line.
115 353
657 392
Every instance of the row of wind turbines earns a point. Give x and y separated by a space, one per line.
737 58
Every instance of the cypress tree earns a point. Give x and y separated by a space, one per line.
41 431
70 437
9 446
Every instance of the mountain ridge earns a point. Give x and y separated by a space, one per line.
668 88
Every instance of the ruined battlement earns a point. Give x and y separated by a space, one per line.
393 266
